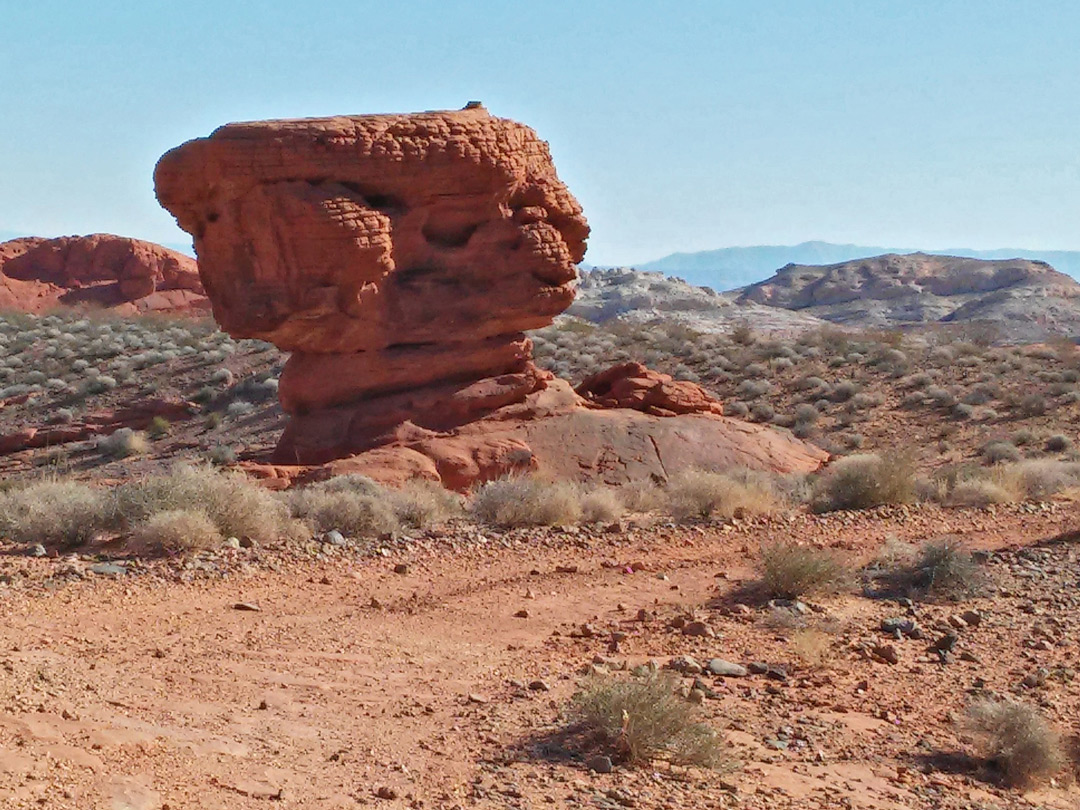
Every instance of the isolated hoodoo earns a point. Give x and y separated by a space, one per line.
401 258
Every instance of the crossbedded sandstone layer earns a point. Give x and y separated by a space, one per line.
401 258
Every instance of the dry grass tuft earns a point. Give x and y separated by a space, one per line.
702 494
642 719
789 571
864 481
422 504
177 531
237 506
54 513
1016 740
527 501
601 505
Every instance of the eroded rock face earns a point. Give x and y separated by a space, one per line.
99 270
400 258
362 233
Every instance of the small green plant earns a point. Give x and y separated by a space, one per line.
159 426
642 719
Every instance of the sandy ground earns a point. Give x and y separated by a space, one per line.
355 685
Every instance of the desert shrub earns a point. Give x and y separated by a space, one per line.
916 381
54 513
998 451
601 505
752 389
641 495
978 492
237 506
941 397
737 408
862 401
353 504
642 719
789 570
962 411
526 501
1024 437
1058 443
864 481
221 455
61 416
943 569
123 442
1016 740
844 390
755 370
159 426
99 385
1037 478
762 412
912 399
1032 405
177 530
981 394
703 494
239 407
806 414
421 504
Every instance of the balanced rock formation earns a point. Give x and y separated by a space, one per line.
401 259
125 275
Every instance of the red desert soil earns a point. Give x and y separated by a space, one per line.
353 685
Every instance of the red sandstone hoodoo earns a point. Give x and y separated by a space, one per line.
401 258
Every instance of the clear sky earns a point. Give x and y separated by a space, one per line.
680 126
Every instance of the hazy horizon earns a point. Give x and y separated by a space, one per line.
721 124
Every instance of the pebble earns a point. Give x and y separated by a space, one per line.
727 669
887 653
539 686
108 569
247 606
685 664
599 764
335 538
698 629
401 568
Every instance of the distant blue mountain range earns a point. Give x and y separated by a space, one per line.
733 267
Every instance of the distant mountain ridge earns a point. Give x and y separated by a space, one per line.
734 267
1023 300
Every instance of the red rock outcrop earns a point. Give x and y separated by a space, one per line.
125 275
400 258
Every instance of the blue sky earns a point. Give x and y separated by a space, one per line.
680 126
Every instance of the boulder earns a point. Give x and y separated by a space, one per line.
125 275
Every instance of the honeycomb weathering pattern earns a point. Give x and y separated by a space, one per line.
359 233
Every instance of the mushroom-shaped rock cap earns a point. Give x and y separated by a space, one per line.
356 233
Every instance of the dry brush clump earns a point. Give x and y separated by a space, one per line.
237 506
176 531
55 513
641 719
705 494
789 570
1017 741
865 481
527 501
939 570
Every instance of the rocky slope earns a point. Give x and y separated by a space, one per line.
126 275
1025 300
637 296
